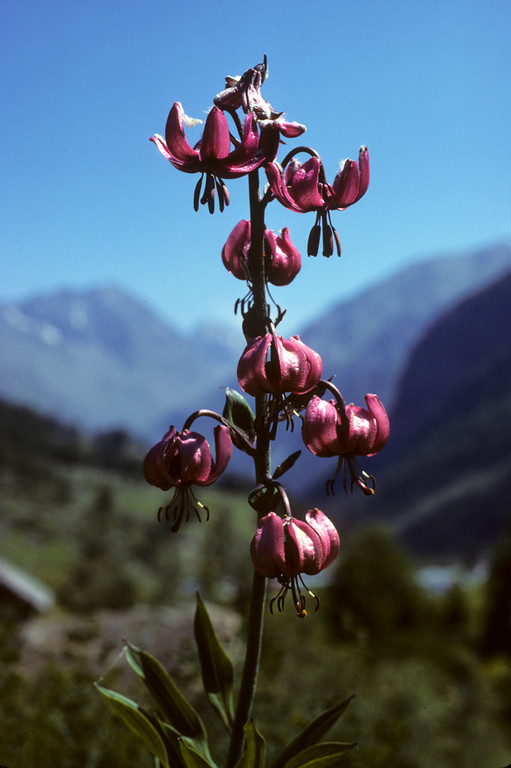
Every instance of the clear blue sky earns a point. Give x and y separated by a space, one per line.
87 199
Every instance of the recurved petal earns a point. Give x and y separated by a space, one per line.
195 458
248 145
346 185
215 143
285 261
223 450
319 431
177 145
379 414
363 163
251 366
279 188
290 130
236 248
327 533
151 472
362 431
304 186
267 546
306 368
304 550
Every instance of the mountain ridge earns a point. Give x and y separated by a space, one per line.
101 358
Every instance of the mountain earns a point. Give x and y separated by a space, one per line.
365 341
443 478
101 359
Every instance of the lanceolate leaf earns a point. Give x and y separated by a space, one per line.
217 670
175 708
324 755
255 749
286 464
312 733
192 758
138 721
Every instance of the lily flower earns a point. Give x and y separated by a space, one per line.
303 188
272 364
283 260
284 548
328 431
183 459
212 156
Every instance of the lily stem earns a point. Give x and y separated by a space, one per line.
262 468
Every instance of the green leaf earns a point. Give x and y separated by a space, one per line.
239 413
138 721
255 749
313 732
325 755
192 758
179 712
217 670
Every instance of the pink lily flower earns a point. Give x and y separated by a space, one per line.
183 459
212 155
283 260
272 364
284 548
303 188
327 431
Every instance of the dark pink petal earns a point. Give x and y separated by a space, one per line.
304 551
223 450
151 472
215 143
285 261
304 186
305 373
235 250
251 366
247 148
320 427
363 163
267 546
290 130
279 188
175 138
379 414
327 533
362 431
346 186
195 460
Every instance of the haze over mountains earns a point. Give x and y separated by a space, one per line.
101 359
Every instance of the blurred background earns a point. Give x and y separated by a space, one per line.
116 320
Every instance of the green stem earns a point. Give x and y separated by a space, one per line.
262 467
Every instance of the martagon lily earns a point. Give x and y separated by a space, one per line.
282 258
330 430
284 548
212 155
183 459
303 188
275 365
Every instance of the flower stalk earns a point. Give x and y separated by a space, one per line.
262 462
